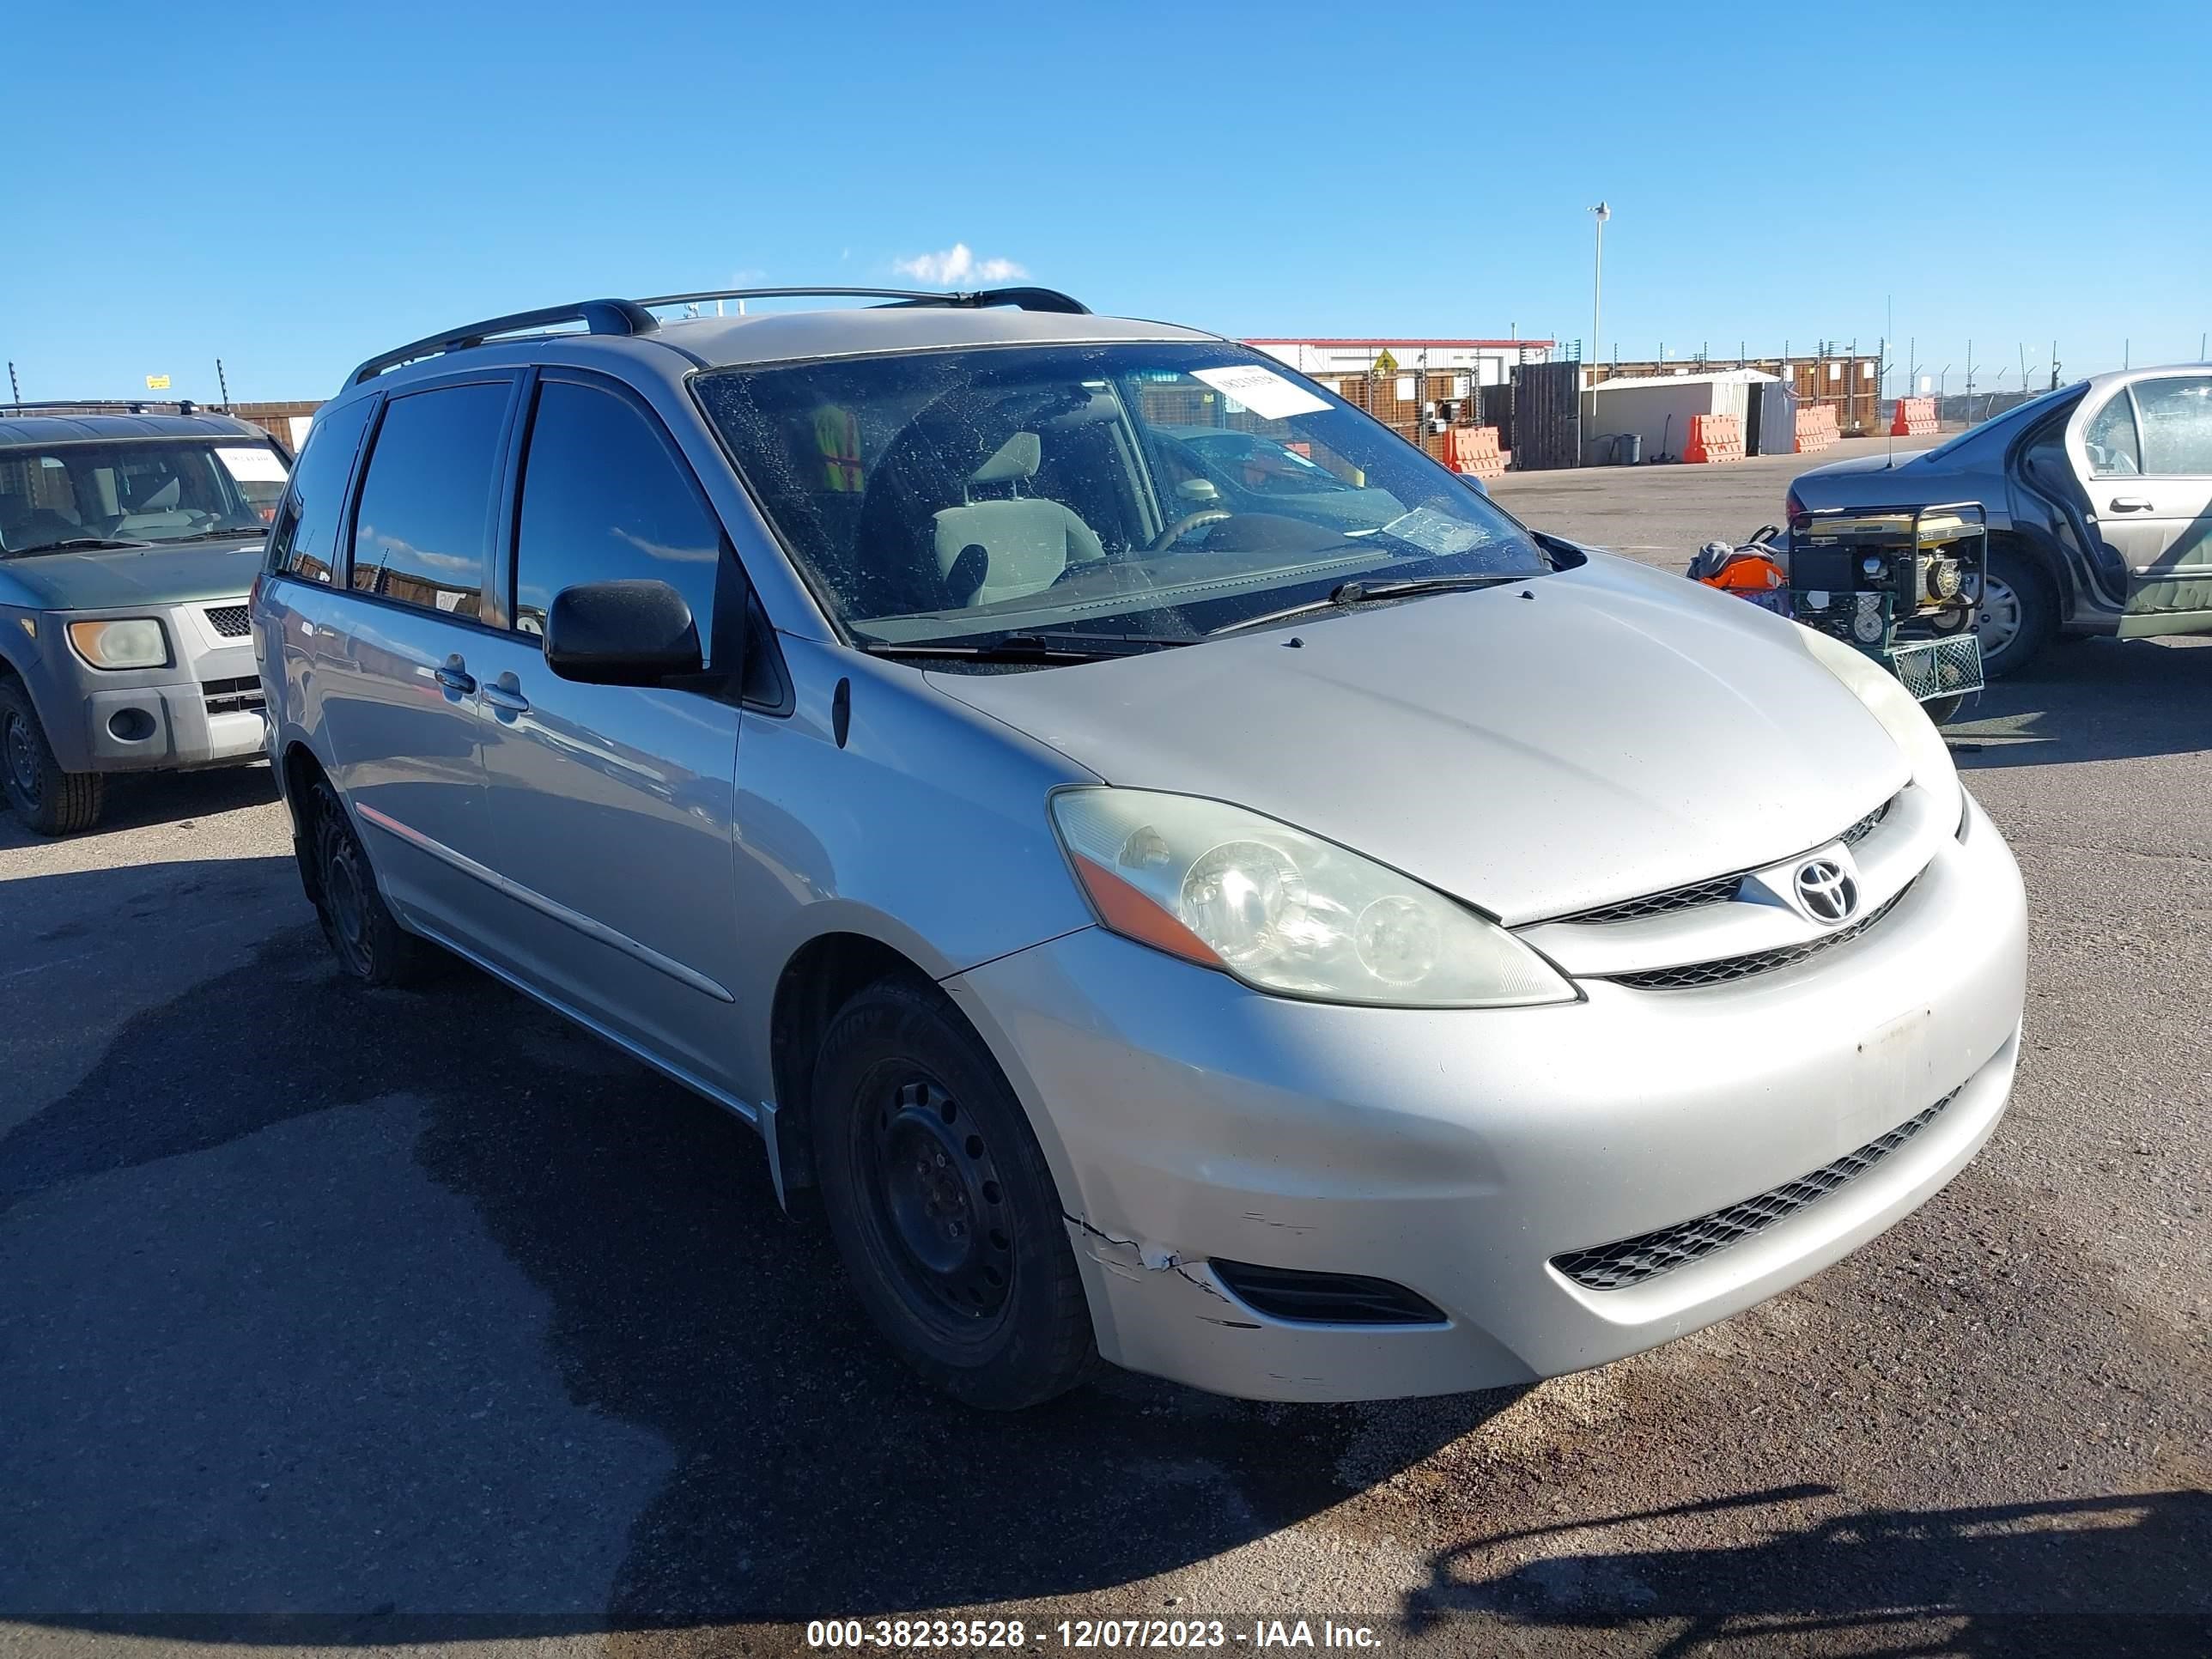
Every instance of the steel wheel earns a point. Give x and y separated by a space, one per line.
953 1233
46 798
337 868
939 1202
369 942
21 744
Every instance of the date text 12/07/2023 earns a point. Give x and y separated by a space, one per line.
1118 1635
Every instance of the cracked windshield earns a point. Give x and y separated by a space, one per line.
1148 492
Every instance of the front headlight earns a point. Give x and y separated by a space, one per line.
1906 721
122 642
1286 911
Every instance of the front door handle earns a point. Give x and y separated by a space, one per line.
454 676
504 695
2130 504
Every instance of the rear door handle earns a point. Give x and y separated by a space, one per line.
504 695
2130 504
454 676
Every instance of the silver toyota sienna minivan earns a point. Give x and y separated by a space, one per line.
1254 913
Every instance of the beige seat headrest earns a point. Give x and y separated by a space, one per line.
1016 460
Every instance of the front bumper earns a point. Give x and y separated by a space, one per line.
205 709
1457 1152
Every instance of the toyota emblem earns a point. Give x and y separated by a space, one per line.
1827 890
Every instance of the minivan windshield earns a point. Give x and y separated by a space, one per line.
134 492
1147 490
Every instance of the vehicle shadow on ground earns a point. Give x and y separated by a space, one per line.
138 800
2088 701
2075 1576
809 1474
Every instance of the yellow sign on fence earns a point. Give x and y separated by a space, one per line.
157 383
1385 363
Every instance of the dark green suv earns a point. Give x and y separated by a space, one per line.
128 543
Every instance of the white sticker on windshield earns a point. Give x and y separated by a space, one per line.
252 464
1262 391
1433 531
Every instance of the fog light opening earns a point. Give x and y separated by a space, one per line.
130 725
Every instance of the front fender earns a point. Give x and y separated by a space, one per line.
927 831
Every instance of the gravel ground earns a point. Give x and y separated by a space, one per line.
333 1321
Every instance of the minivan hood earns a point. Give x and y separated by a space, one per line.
91 581
1536 749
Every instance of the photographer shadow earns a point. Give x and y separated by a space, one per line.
2065 1577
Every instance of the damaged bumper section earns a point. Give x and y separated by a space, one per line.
1295 1200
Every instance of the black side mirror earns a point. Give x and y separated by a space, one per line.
630 632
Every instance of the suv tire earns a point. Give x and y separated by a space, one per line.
370 944
2019 610
942 1205
46 799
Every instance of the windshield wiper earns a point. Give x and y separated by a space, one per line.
1347 596
1028 647
78 543
257 533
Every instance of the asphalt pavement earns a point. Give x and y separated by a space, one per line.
340 1320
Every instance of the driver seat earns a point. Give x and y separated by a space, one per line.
1027 541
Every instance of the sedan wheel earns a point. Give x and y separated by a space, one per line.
1998 623
2017 615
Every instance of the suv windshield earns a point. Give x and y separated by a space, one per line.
1152 491
134 491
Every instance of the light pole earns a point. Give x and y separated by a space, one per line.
1597 284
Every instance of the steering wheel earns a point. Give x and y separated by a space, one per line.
1183 527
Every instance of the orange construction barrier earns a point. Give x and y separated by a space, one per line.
1916 418
1816 427
1714 438
1474 449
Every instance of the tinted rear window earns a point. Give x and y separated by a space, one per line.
306 542
425 516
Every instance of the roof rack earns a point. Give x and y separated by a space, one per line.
598 316
635 317
1026 299
107 405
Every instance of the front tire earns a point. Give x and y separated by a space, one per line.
941 1204
2017 615
369 944
46 799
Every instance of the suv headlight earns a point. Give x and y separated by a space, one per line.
121 642
1906 721
1286 911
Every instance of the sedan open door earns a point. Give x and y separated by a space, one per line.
2144 455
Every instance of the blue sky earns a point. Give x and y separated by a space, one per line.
292 188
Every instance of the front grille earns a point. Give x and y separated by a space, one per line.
1632 1261
237 696
231 620
1324 1298
1690 975
1718 890
1859 831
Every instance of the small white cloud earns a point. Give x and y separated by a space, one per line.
747 276
957 265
